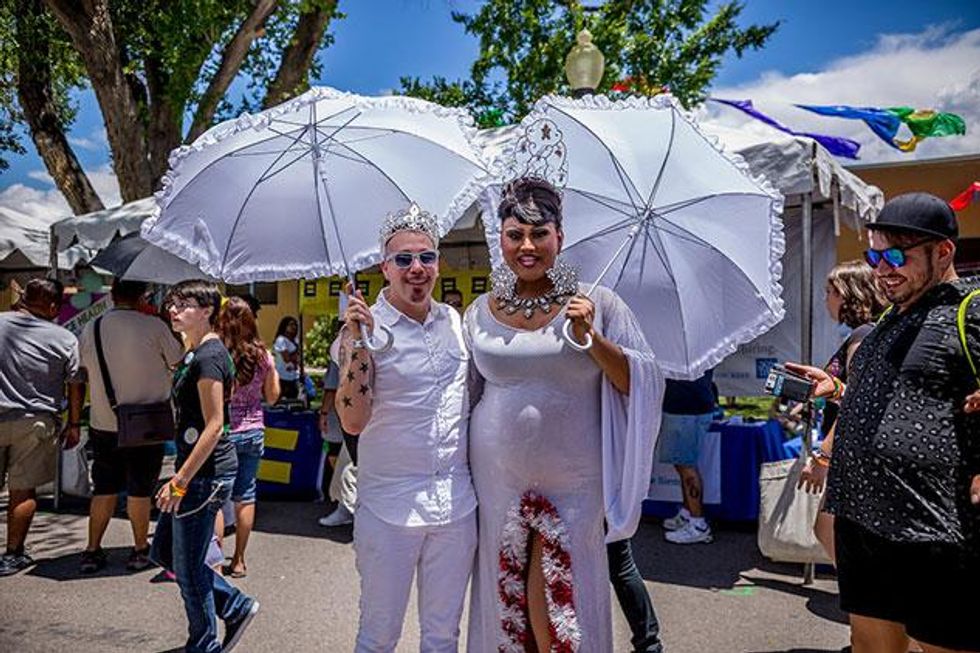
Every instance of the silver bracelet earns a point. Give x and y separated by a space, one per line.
357 344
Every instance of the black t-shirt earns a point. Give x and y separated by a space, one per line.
905 450
837 366
689 397
209 361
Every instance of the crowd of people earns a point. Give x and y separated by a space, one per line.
481 451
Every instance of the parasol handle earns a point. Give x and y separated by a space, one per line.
368 339
566 331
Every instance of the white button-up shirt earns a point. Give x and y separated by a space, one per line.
413 465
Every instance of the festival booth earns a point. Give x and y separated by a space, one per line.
25 251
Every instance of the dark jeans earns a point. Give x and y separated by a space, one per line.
181 544
633 598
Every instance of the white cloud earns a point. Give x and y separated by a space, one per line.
47 204
96 141
933 69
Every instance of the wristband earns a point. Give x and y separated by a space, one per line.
838 389
176 490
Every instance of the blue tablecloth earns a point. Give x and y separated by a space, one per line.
291 462
744 447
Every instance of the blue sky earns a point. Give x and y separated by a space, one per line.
831 51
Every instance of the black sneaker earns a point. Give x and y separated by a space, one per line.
93 561
139 559
11 563
235 629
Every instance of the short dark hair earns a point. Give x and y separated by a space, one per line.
202 291
42 292
530 200
126 290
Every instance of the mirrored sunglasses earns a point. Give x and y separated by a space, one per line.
893 256
404 260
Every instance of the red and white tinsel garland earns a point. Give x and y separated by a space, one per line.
536 513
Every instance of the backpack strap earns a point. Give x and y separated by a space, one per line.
884 313
961 327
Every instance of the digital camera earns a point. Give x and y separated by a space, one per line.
788 385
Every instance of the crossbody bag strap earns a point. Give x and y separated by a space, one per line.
106 379
961 327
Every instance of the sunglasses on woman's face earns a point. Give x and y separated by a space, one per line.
404 260
893 256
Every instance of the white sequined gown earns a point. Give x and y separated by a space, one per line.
545 432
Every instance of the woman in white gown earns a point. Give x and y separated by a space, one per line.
560 440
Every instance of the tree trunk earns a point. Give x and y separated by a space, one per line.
231 61
163 131
34 93
293 74
89 24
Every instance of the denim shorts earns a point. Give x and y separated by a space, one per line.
249 446
681 437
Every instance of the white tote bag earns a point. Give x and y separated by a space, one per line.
787 515
75 480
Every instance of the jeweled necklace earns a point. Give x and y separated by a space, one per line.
564 281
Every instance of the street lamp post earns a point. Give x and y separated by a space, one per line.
584 65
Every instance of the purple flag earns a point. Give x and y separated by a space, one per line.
836 145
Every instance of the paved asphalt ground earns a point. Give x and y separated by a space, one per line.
720 597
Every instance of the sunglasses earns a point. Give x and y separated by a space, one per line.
893 256
404 260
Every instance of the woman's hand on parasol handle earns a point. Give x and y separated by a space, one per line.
566 331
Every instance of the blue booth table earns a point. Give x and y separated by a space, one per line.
291 462
744 447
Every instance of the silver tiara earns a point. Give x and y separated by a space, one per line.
411 219
539 152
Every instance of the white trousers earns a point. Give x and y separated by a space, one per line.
388 557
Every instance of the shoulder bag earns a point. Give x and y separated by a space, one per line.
138 424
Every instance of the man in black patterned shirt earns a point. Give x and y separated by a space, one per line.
905 479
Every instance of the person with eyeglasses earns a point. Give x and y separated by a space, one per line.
409 407
204 473
905 482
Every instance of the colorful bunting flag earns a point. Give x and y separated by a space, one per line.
963 200
885 123
836 145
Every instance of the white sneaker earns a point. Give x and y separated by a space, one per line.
680 520
690 533
339 517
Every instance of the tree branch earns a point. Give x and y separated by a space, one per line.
231 61
35 96
89 24
292 76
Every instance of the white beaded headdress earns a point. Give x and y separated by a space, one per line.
411 219
538 153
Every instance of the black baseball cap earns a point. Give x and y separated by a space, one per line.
921 213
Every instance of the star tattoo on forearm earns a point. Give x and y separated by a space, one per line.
364 389
347 402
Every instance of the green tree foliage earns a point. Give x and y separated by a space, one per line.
162 72
316 344
523 43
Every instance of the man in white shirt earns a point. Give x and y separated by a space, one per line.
140 350
416 509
